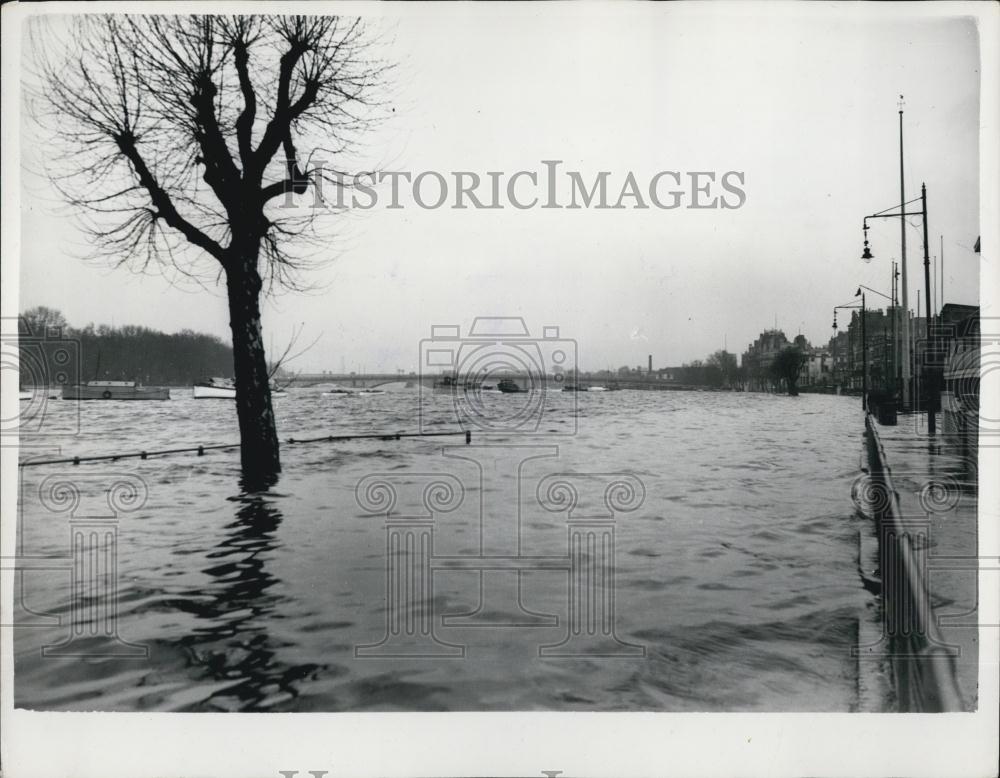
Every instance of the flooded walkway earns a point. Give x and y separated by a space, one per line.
936 479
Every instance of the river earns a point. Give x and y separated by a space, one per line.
734 566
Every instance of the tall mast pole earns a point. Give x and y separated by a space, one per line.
927 377
942 271
934 283
864 354
895 340
905 297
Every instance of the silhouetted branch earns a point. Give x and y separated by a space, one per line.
143 108
287 355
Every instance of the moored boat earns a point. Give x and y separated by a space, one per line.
449 383
114 390
214 389
223 389
509 386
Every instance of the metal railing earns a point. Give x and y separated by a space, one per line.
922 662
200 450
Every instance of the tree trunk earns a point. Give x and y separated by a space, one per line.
259 454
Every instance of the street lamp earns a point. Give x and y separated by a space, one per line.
892 302
867 256
864 382
864 350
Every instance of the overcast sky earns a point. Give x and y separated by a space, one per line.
802 100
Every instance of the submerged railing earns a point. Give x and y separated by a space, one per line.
200 450
923 664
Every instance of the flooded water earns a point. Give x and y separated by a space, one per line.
728 552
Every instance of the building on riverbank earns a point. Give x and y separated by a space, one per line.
884 341
839 348
756 360
817 368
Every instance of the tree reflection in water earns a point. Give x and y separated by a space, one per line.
234 643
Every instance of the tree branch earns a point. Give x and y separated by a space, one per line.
161 200
280 124
297 181
221 172
244 124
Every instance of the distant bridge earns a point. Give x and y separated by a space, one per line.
374 380
359 380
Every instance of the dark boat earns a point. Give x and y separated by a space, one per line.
508 386
114 390
451 384
575 386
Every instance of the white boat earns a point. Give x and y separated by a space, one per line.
597 389
223 389
214 388
23 395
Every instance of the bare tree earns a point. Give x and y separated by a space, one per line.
39 320
786 366
143 109
726 365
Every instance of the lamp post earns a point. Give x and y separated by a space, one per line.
876 291
867 256
897 361
864 351
864 347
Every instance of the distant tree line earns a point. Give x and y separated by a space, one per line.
124 353
721 370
